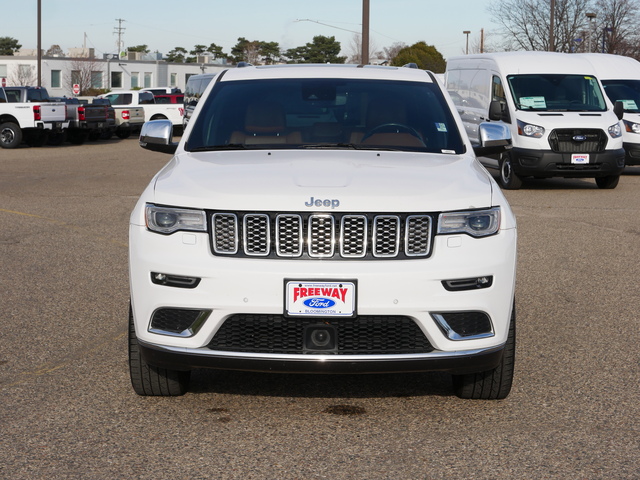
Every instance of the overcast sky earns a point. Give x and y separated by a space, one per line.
163 25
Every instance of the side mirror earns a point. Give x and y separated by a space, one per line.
618 109
494 138
157 135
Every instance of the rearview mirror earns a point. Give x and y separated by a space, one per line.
618 109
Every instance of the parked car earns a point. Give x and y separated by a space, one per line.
323 219
146 101
162 90
561 122
129 116
27 114
85 120
620 77
170 98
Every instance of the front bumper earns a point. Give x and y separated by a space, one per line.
458 363
632 153
546 163
254 286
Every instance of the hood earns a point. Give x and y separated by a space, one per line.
344 180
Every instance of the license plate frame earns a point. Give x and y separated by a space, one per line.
320 298
580 159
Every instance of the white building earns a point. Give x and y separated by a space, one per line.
59 74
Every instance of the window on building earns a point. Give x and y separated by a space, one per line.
55 78
147 79
3 71
76 77
96 79
174 80
135 79
116 79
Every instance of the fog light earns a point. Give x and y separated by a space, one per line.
320 338
468 283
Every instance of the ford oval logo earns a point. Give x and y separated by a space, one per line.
579 138
319 302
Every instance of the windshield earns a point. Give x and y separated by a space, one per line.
326 113
625 91
557 93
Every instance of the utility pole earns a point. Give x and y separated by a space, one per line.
39 43
365 33
119 30
467 32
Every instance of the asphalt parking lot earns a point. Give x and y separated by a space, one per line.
68 409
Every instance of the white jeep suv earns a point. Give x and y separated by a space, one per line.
323 218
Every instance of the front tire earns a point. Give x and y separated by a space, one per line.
608 182
508 179
148 380
494 384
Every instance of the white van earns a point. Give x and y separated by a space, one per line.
620 77
562 125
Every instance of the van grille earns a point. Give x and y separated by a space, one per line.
563 140
321 235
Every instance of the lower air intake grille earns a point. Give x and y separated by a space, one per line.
363 335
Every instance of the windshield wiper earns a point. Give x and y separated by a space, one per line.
330 145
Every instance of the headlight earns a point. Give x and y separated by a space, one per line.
530 130
169 220
631 126
615 131
477 223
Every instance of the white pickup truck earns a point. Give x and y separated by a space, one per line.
146 100
26 118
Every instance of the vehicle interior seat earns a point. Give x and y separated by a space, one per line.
265 124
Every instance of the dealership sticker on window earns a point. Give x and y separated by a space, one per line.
533 102
320 299
579 158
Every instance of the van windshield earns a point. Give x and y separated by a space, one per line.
625 91
326 113
557 93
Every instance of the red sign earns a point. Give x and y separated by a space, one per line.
76 89
4 82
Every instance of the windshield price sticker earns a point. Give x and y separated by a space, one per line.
580 159
324 299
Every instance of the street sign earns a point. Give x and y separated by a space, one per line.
4 82
76 89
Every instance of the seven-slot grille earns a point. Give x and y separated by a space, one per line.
321 235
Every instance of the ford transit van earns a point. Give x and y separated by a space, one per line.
562 124
620 77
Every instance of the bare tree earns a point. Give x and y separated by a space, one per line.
86 73
23 76
354 53
525 24
616 28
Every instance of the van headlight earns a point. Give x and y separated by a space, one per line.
615 130
477 223
168 219
631 127
530 130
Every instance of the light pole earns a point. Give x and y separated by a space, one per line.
467 32
604 36
365 33
591 16
552 19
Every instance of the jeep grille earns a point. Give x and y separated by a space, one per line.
321 235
